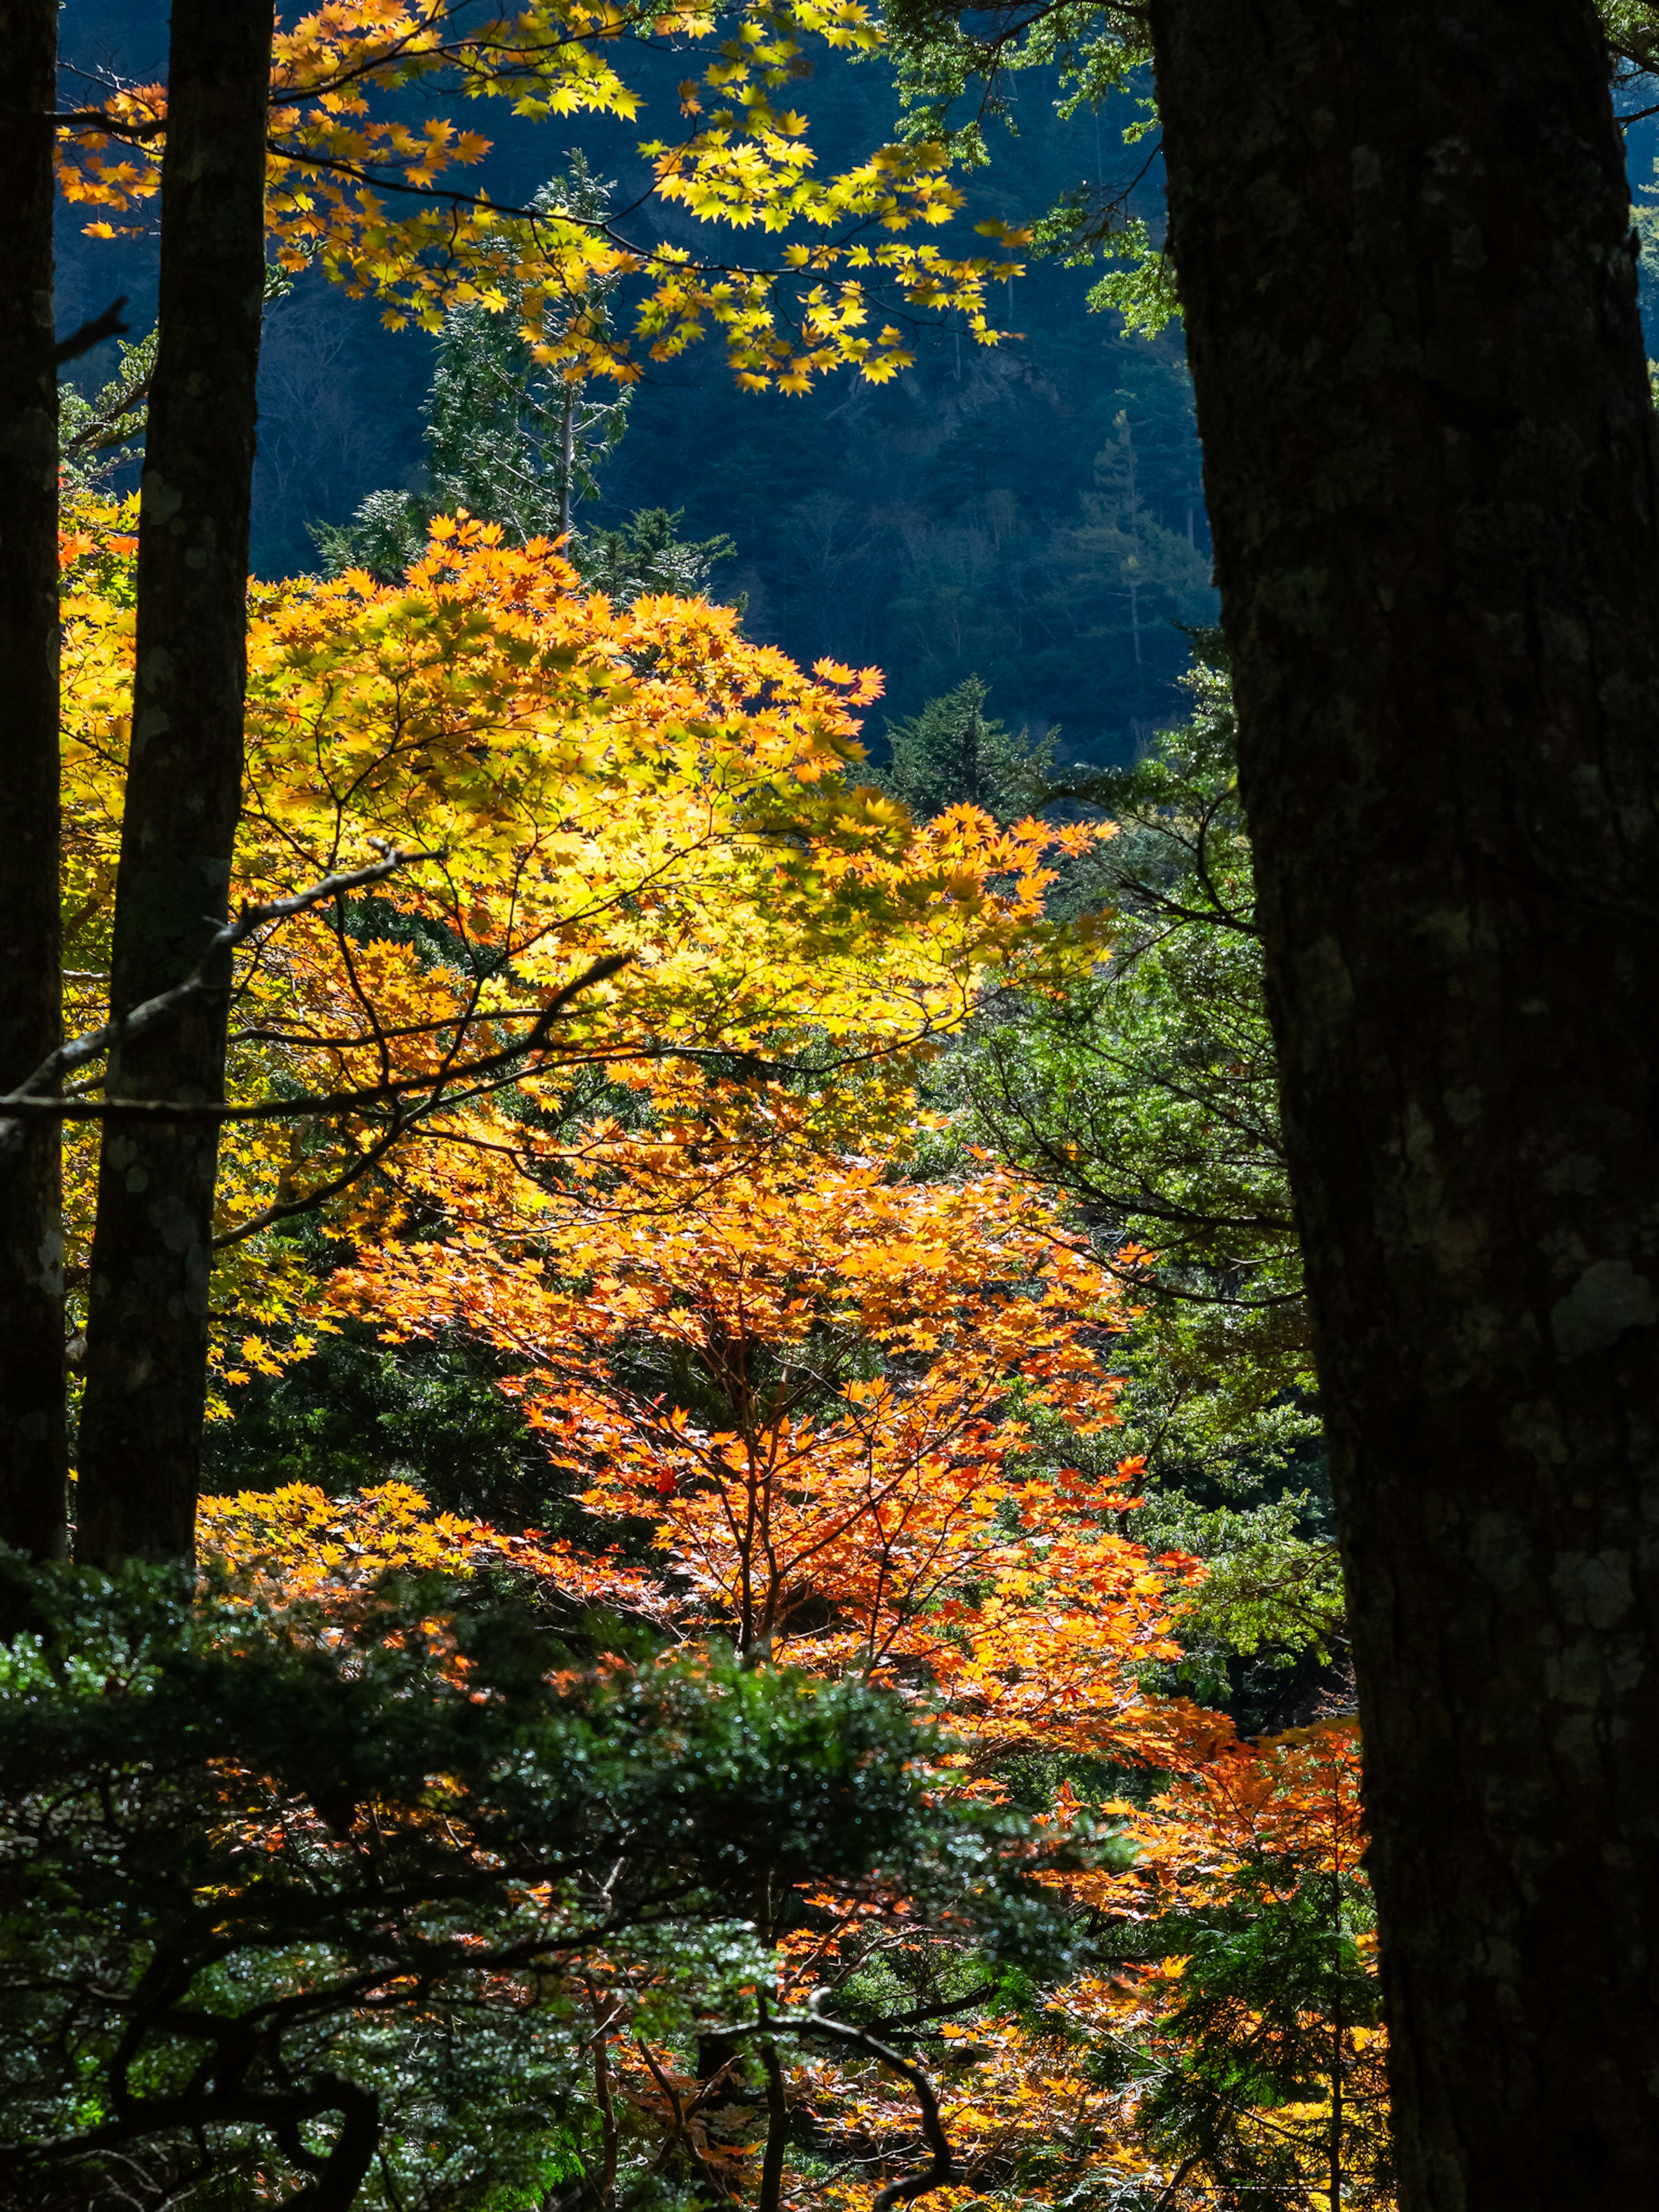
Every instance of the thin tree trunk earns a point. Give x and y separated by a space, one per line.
33 1467
777 2130
605 2188
568 460
1402 239
1336 2157
146 1335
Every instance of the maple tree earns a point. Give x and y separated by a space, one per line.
800 1391
643 850
801 1374
1222 2045
794 1381
805 1379
263 127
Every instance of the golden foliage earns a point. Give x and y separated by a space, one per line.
644 847
387 203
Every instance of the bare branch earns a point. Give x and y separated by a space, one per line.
442 1084
167 1005
940 2169
106 325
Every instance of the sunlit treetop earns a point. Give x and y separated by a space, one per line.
393 205
643 849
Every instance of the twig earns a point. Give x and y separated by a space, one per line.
338 1102
777 2123
102 431
166 1005
1167 2197
289 1209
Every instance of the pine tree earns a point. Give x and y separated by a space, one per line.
645 555
1132 572
508 439
952 754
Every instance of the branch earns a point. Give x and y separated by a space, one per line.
288 1209
647 257
939 2170
919 2016
1166 2198
322 1102
22 365
167 1005
101 430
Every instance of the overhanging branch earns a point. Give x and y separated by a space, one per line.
21 365
28 1102
393 1092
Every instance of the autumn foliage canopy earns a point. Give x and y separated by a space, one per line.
612 1077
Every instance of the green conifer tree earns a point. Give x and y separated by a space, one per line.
506 439
645 555
953 754
1146 1093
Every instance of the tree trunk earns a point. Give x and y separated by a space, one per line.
33 1469
1402 239
146 1334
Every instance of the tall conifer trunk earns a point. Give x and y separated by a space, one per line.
1402 239
31 1439
140 1449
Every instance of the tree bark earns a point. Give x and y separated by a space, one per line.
1402 234
32 1456
146 1335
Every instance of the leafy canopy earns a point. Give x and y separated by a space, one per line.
387 203
641 848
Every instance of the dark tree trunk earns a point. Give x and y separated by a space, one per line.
141 1430
1402 234
32 1443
